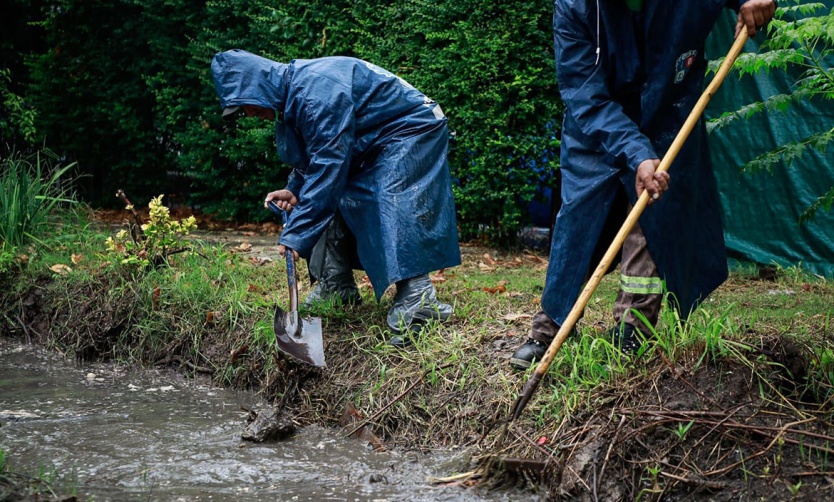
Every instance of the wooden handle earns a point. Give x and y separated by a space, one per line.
629 223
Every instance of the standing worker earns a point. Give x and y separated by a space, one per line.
629 73
370 186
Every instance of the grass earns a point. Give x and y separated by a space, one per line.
208 313
30 188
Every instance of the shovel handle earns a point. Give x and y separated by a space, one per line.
631 220
288 254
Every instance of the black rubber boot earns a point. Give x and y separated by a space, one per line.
531 351
626 338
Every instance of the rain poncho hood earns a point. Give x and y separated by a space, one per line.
629 80
362 142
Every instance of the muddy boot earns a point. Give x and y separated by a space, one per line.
542 333
414 305
626 337
336 291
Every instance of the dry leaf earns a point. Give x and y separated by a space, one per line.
60 269
244 247
260 261
155 297
516 317
250 234
488 259
484 267
440 276
76 258
253 288
365 282
501 287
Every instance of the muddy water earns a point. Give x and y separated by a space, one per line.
121 435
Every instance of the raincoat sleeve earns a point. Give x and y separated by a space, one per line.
294 182
582 83
328 132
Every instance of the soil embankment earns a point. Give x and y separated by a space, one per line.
733 420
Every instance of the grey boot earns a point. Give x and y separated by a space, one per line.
415 303
331 265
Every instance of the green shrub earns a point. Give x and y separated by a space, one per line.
152 242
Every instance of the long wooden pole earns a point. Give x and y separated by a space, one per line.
637 210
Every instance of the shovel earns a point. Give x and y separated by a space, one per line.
295 336
635 213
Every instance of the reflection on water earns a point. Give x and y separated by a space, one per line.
126 435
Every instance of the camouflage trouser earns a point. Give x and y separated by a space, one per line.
641 288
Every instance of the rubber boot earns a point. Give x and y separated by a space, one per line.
415 303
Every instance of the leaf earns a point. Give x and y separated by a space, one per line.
542 441
76 258
484 267
260 261
244 247
440 276
501 287
488 259
252 288
516 317
60 269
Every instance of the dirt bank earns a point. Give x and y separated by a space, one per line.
737 421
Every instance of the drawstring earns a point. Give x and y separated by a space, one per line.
597 61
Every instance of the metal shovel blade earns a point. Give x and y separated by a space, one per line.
299 338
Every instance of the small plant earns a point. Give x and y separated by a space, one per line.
794 489
154 242
683 430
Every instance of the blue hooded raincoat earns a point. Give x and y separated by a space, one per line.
629 80
363 142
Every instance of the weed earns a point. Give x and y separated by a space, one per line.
682 430
794 488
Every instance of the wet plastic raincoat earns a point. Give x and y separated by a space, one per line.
363 142
629 80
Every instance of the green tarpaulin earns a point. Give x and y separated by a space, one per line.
761 211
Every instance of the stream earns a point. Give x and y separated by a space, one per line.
114 434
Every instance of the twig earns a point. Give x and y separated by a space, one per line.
611 446
699 483
25 329
784 429
137 236
393 401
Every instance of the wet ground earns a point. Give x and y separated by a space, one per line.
113 434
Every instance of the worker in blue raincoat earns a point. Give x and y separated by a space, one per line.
630 72
370 186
